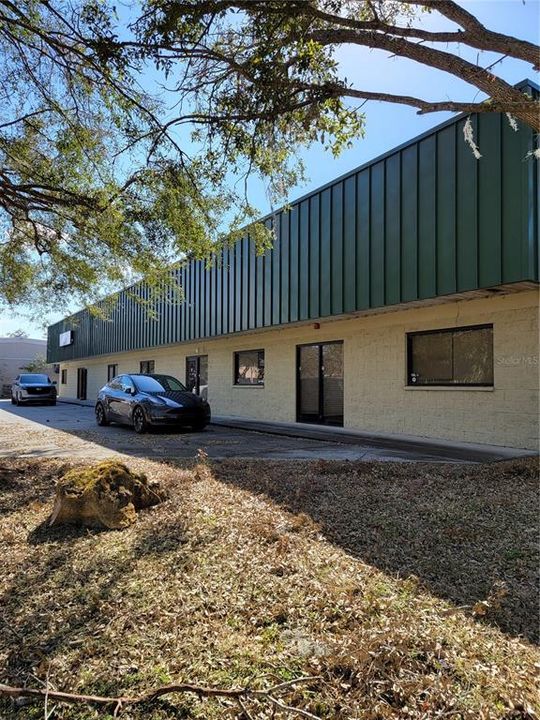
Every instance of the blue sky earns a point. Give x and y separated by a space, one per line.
389 125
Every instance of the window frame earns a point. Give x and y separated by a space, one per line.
63 376
437 331
147 362
114 373
236 365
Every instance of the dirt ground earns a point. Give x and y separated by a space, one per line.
405 590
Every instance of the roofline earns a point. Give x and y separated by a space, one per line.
526 82
388 153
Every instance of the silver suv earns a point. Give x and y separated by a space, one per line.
33 388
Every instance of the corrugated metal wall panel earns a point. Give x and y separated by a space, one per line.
276 276
377 214
409 223
336 252
303 263
446 211
425 219
268 284
349 244
363 246
314 257
293 264
245 284
284 261
392 255
326 262
466 213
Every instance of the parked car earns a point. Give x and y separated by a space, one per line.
144 401
33 388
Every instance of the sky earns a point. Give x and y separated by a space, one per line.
386 125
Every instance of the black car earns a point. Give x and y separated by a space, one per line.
33 388
150 400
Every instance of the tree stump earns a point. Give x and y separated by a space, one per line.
105 495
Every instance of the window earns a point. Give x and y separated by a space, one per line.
126 383
63 377
459 356
112 371
146 367
158 383
35 378
249 367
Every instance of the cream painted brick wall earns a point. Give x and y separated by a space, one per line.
375 395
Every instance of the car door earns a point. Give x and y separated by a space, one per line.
112 398
15 386
125 399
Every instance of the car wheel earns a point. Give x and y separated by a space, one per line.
139 420
13 402
199 427
101 415
17 399
52 402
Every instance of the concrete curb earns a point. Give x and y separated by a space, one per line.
463 452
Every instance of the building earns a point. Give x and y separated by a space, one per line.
15 354
399 298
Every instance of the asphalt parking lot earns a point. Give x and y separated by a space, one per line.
69 430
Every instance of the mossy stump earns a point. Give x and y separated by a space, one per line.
105 495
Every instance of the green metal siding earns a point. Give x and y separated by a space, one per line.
363 204
349 244
337 250
325 272
314 257
392 257
409 223
426 219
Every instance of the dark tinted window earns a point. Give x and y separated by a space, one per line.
111 372
157 383
34 379
146 367
170 383
249 367
459 356
64 376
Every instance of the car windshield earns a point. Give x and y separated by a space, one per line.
35 379
157 383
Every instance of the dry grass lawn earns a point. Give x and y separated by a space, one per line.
411 590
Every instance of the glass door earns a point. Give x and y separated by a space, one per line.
197 375
320 383
332 383
308 386
82 379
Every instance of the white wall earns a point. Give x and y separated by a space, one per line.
375 391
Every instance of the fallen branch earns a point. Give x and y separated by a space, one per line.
119 703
